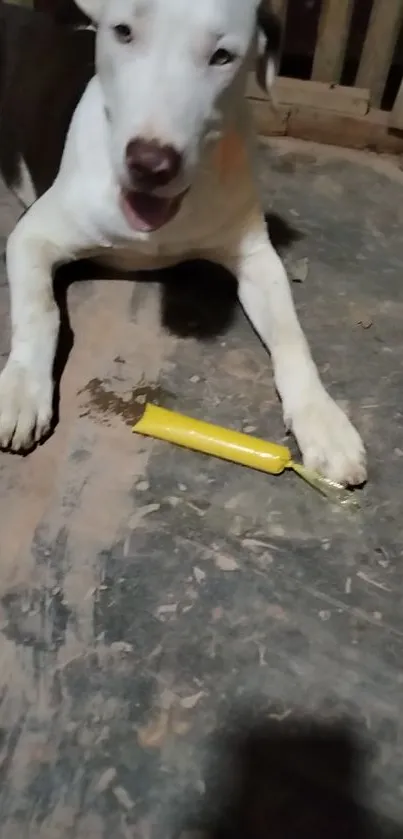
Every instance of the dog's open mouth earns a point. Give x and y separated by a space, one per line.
146 212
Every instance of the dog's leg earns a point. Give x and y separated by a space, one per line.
326 438
41 239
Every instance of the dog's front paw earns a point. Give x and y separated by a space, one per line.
328 441
25 407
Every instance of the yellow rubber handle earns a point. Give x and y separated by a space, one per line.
212 439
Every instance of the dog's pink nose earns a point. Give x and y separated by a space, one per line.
150 164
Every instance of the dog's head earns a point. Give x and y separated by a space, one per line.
168 70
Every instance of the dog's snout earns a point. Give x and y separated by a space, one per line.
151 164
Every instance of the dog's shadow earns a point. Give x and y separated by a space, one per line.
284 778
198 298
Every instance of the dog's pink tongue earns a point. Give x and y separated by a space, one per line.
147 212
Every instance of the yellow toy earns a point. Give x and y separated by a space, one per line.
232 445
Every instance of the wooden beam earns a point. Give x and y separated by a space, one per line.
269 123
333 31
379 47
345 100
369 132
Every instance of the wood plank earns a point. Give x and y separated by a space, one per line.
396 117
333 31
269 123
347 100
370 132
379 46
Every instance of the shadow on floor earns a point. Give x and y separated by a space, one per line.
203 308
286 779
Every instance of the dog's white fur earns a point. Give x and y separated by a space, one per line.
162 86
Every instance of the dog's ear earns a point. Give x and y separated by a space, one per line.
91 8
270 35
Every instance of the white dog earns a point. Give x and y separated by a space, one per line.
157 169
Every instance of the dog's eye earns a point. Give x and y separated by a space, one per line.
221 57
123 33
